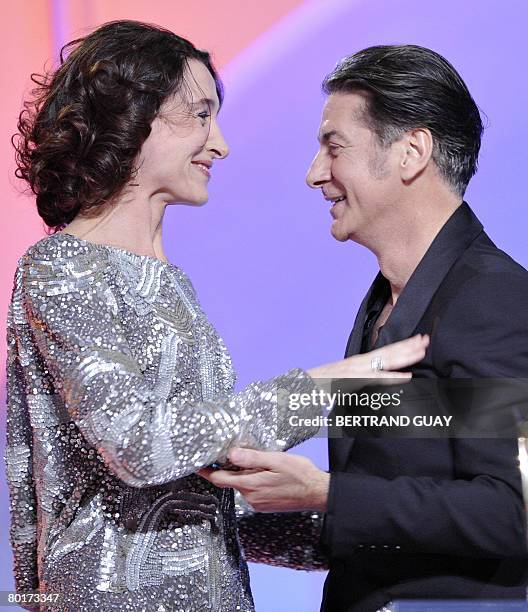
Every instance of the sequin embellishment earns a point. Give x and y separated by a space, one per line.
119 389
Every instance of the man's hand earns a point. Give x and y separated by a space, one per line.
274 482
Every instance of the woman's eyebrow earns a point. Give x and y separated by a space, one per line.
211 103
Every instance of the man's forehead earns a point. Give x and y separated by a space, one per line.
341 112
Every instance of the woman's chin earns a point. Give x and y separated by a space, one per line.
193 202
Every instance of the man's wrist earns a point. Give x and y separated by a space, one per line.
320 491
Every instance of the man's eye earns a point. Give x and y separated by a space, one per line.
334 149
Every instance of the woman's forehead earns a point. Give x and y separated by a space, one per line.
200 81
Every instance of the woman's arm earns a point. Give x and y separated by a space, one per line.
284 539
18 458
144 439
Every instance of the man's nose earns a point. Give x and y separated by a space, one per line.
318 172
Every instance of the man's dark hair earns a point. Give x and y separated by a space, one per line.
80 134
410 87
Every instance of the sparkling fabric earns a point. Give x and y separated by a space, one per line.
119 389
284 539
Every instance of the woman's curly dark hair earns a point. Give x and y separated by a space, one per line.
80 134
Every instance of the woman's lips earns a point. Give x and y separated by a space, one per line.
203 168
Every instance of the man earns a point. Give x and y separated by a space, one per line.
410 518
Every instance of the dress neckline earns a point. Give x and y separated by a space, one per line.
136 257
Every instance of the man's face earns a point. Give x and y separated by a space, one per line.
352 169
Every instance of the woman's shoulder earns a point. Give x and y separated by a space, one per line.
60 260
59 249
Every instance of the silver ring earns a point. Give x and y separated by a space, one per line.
377 363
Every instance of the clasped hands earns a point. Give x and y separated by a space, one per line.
273 481
282 482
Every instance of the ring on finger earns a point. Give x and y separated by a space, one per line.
376 363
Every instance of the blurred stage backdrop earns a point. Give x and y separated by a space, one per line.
280 290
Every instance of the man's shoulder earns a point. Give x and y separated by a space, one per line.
480 316
482 300
494 258
485 287
484 270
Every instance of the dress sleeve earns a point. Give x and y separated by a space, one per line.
284 539
18 459
144 439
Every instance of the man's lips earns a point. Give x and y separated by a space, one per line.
335 201
333 210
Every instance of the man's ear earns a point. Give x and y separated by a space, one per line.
417 152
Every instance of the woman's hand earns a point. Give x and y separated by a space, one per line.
391 358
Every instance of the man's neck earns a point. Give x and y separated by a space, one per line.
399 258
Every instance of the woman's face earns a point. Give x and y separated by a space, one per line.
176 160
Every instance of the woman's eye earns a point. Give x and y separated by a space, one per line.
204 115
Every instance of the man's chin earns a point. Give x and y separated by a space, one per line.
340 236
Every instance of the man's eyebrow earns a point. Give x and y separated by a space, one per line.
326 136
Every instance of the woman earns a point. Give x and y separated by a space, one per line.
119 388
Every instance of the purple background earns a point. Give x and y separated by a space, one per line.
278 287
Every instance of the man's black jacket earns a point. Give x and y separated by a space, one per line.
436 517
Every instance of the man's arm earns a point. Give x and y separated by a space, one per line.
479 514
285 482
480 511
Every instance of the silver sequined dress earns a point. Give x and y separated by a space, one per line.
119 389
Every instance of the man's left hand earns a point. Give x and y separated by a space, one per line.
274 481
